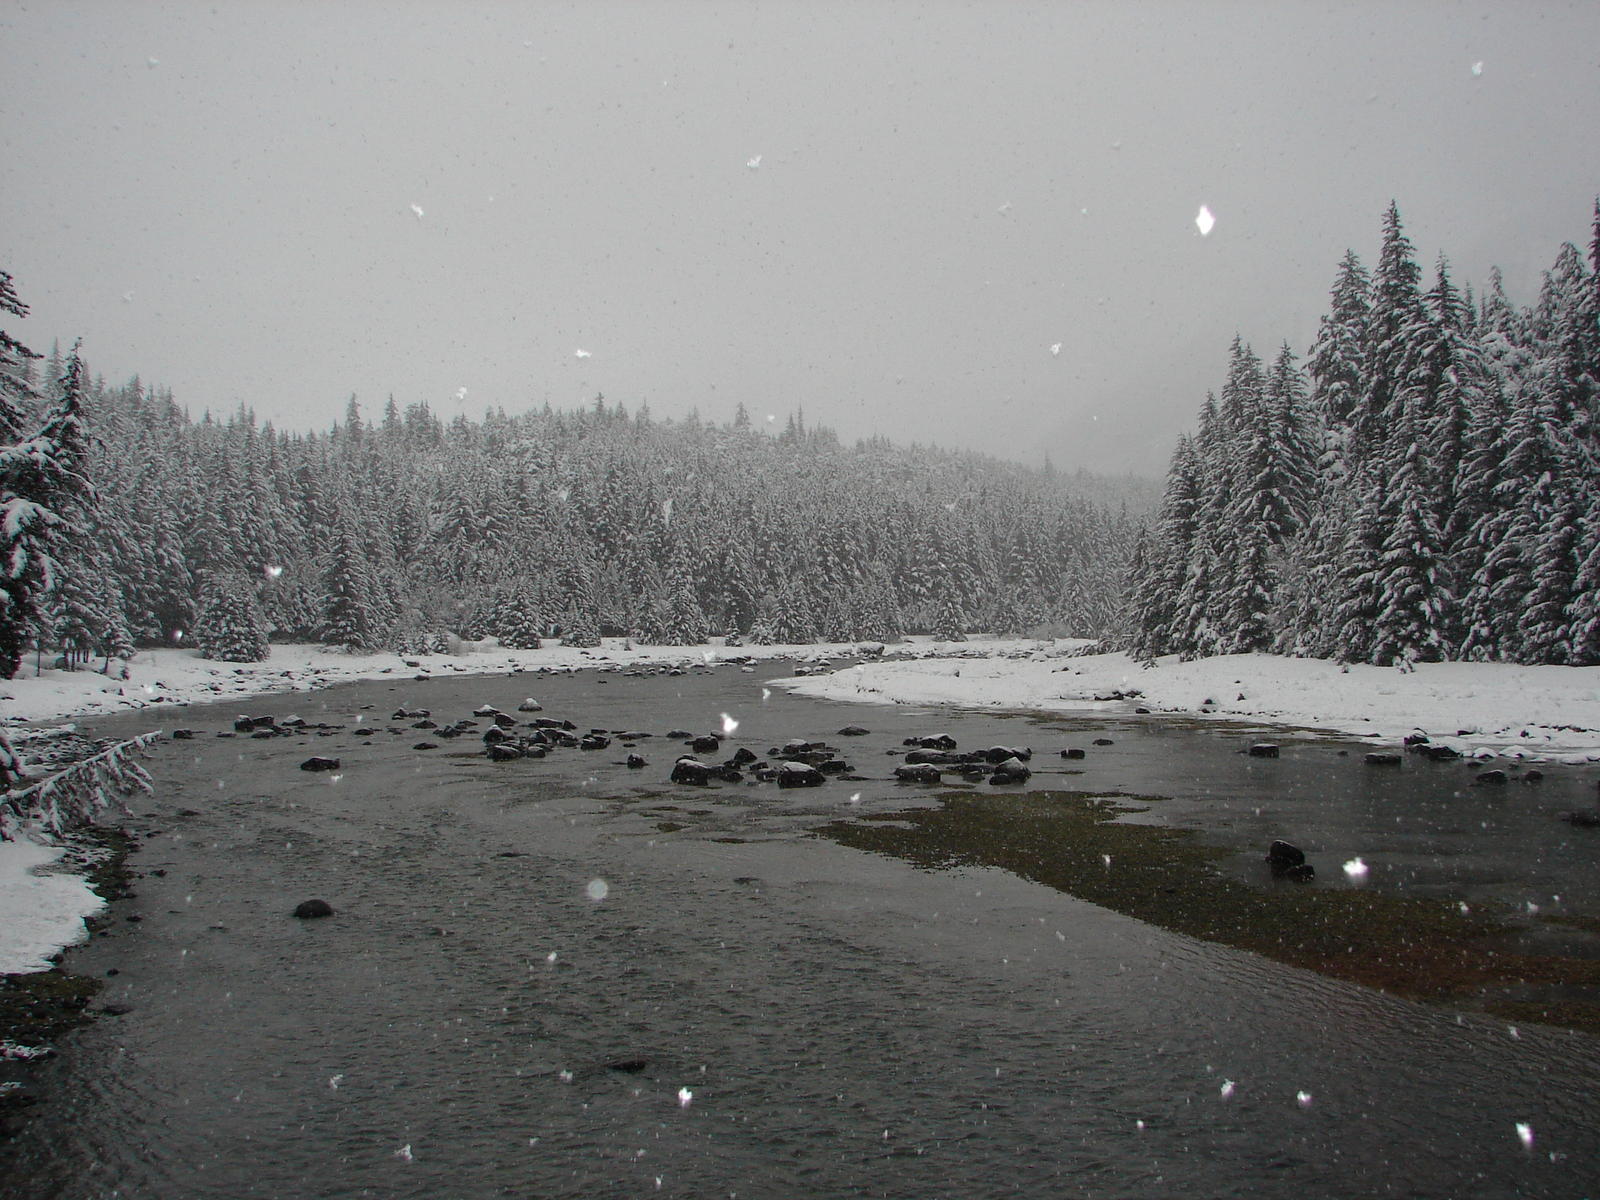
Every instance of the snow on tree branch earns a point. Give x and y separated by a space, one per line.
76 794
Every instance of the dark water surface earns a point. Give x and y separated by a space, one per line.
806 1020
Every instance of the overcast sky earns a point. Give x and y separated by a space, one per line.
886 214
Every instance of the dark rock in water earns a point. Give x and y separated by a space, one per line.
631 1065
1074 752
742 757
997 754
854 731
1284 856
727 774
426 746
1017 774
1533 776
1438 753
426 723
266 733
504 752
410 714
485 710
182 735
1263 750
797 775
1492 778
530 705
1383 758
1584 818
706 743
635 762
495 734
320 764
1414 739
690 770
943 742
679 734
594 741
506 720
310 910
918 773
365 733
1104 742
246 724
833 766
935 757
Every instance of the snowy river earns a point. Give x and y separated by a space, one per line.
566 978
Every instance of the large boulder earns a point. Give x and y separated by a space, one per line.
690 770
799 774
1288 861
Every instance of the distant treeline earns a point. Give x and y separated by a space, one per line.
1426 487
403 531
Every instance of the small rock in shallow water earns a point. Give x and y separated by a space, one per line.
310 910
320 764
1383 758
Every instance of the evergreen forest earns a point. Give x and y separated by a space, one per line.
127 523
1424 487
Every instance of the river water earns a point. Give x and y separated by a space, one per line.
802 1019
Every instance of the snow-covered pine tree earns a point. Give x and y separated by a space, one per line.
578 628
1411 592
792 621
352 606
1357 597
37 479
517 616
1337 363
17 393
1583 613
1396 306
230 627
948 618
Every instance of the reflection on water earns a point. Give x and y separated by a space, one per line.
744 1008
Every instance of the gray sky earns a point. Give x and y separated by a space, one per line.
886 214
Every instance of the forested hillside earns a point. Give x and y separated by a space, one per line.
401 531
1425 487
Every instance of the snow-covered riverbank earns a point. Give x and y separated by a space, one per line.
1548 713
1532 712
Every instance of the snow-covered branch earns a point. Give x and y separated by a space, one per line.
76 794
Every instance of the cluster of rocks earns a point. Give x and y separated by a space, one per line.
795 764
929 758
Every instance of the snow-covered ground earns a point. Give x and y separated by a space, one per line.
1530 712
40 910
161 680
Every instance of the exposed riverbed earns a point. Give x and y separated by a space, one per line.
802 1017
